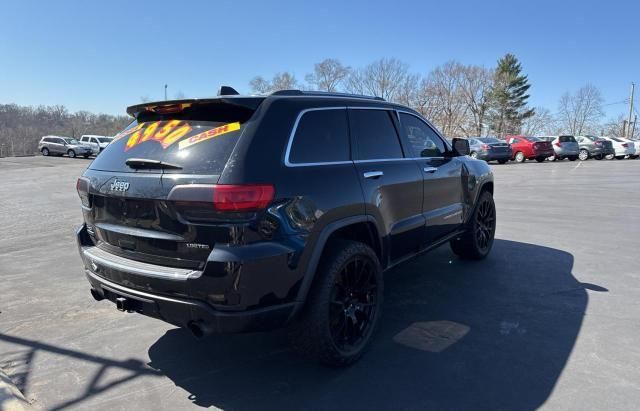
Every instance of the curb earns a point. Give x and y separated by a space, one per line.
11 399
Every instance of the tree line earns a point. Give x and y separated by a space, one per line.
461 100
21 127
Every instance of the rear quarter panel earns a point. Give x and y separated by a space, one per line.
308 198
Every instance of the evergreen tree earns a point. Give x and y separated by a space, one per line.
509 97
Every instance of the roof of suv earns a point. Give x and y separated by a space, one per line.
249 101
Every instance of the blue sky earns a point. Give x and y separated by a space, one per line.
103 56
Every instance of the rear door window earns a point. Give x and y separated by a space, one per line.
567 139
375 134
198 138
321 136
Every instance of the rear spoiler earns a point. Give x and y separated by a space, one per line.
251 103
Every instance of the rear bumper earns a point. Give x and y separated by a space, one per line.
604 151
563 152
490 156
216 298
187 312
543 153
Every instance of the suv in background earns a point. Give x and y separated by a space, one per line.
594 147
563 147
489 148
58 146
248 213
98 143
524 148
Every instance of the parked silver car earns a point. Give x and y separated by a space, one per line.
563 147
58 146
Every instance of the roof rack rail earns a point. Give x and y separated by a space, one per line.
292 92
323 93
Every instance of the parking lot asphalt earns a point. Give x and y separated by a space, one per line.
550 319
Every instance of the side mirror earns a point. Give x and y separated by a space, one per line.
460 147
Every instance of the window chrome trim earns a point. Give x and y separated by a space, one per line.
288 163
293 133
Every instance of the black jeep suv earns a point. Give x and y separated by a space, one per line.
244 213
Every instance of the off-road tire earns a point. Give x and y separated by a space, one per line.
468 245
311 333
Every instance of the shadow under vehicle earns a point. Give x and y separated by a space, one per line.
494 334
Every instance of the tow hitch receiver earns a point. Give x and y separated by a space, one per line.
122 304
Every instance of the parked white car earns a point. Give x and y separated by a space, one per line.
636 144
622 148
99 142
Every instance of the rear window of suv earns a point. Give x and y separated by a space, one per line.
567 139
199 139
321 136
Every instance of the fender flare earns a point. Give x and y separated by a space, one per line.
318 248
481 187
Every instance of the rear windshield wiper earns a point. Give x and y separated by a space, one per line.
147 163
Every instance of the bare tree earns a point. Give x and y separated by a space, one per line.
475 86
426 100
407 93
541 122
280 81
22 127
382 78
614 127
284 81
354 83
450 106
328 75
580 112
259 85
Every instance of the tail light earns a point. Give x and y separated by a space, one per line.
557 144
598 143
242 197
207 201
486 147
625 145
82 186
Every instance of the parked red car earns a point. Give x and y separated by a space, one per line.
524 148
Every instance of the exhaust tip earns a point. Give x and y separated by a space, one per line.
96 295
199 329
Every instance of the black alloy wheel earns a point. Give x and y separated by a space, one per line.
353 304
485 224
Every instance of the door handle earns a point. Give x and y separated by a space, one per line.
373 174
430 169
